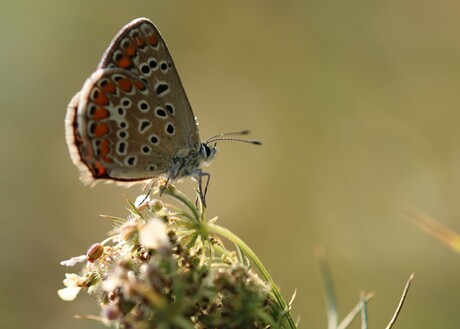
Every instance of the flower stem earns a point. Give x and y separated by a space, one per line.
256 261
174 192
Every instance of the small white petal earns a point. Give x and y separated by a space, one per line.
68 294
154 235
142 199
73 280
73 261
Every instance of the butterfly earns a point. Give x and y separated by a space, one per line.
132 122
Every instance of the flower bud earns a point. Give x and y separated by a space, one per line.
94 252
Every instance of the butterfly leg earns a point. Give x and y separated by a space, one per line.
202 193
147 195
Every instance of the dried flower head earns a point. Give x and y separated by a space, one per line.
165 267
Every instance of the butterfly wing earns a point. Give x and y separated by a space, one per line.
116 131
132 115
139 48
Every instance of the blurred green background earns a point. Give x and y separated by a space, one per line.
357 104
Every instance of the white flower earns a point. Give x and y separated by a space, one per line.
73 284
153 235
116 279
73 261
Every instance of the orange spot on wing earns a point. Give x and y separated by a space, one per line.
139 85
101 130
100 113
99 169
130 51
109 87
153 40
101 99
104 150
140 41
125 84
125 62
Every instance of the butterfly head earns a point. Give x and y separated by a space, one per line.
207 152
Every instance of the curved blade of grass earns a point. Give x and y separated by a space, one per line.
433 227
401 302
355 311
331 303
364 311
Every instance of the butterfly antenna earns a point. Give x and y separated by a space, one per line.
221 137
233 139
243 132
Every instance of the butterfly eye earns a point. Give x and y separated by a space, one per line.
206 152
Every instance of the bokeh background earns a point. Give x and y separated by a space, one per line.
357 104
